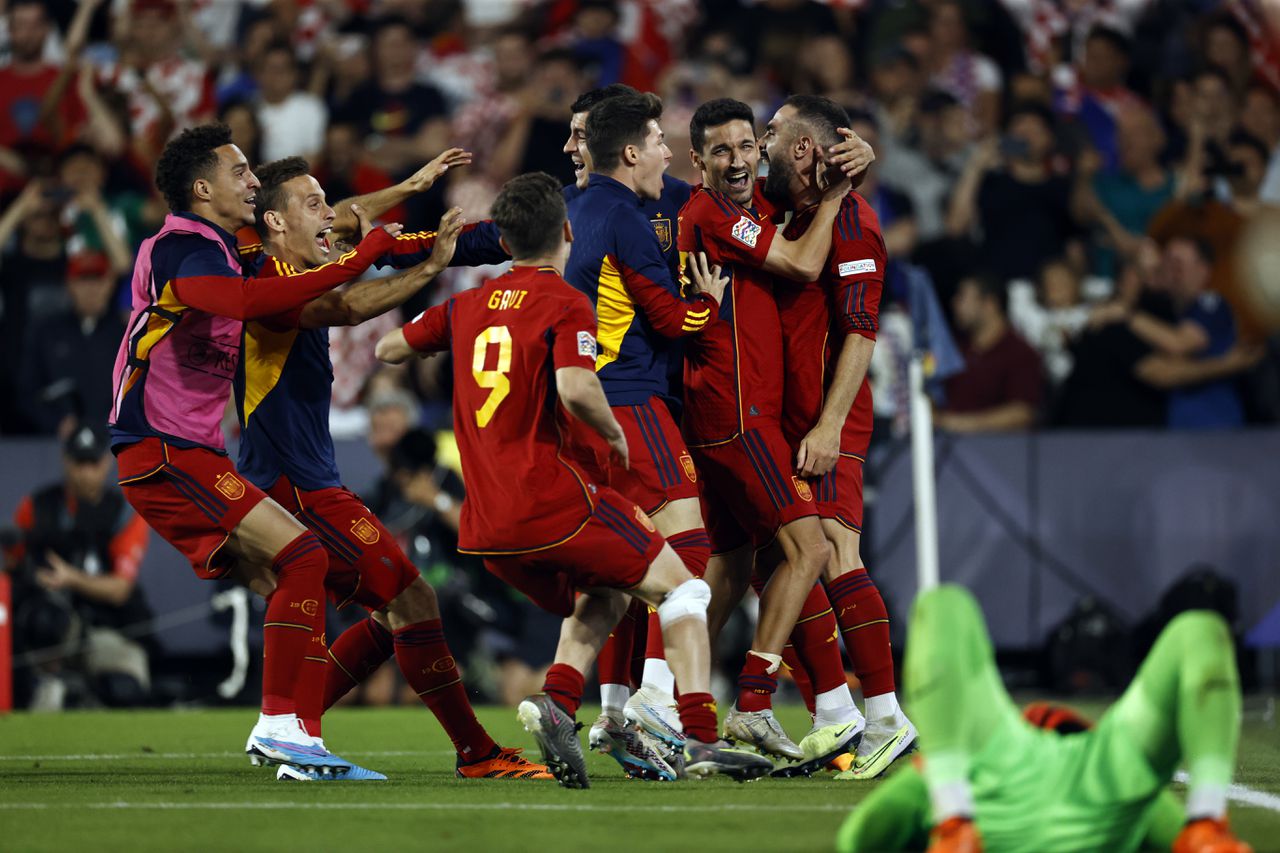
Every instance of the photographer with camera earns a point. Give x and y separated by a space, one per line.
77 607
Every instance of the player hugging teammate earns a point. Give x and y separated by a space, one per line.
680 373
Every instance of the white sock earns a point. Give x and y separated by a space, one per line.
952 799
834 707
658 676
613 698
1207 801
883 707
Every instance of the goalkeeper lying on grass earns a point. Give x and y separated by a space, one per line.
993 781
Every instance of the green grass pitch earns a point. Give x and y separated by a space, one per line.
173 780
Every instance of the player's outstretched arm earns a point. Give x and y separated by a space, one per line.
802 260
370 299
379 202
580 392
207 283
393 348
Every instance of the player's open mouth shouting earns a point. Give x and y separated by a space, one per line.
322 239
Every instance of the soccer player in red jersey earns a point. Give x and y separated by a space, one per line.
171 384
520 342
733 401
282 396
829 330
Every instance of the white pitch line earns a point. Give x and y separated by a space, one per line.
187 756
1241 794
532 807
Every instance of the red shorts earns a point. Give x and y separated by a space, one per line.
366 564
193 497
839 492
613 549
752 490
662 468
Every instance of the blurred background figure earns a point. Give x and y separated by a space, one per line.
78 611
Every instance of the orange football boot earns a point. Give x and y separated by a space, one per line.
955 835
504 763
1208 835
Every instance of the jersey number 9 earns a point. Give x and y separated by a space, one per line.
496 379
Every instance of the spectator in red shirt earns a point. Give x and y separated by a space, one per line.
1002 384
25 81
76 571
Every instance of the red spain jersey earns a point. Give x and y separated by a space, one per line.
845 300
733 370
508 338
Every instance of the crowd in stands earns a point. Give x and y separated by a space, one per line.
1067 178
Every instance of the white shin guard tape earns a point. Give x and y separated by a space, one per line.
691 598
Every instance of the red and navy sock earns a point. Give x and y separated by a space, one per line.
864 624
564 685
755 685
698 716
356 655
295 612
428 666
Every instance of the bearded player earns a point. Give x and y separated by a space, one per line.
282 396
734 402
516 341
829 331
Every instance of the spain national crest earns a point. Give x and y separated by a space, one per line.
802 489
686 462
644 520
662 227
364 530
230 487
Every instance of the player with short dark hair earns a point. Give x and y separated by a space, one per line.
637 636
171 381
829 328
282 397
618 261
515 341
733 400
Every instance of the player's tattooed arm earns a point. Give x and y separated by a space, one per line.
369 299
580 392
345 224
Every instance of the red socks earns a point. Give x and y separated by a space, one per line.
864 623
613 664
429 668
356 655
755 685
564 685
698 716
795 668
295 612
814 639
312 681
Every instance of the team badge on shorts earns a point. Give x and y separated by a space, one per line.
802 489
686 462
364 530
230 487
662 227
644 520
